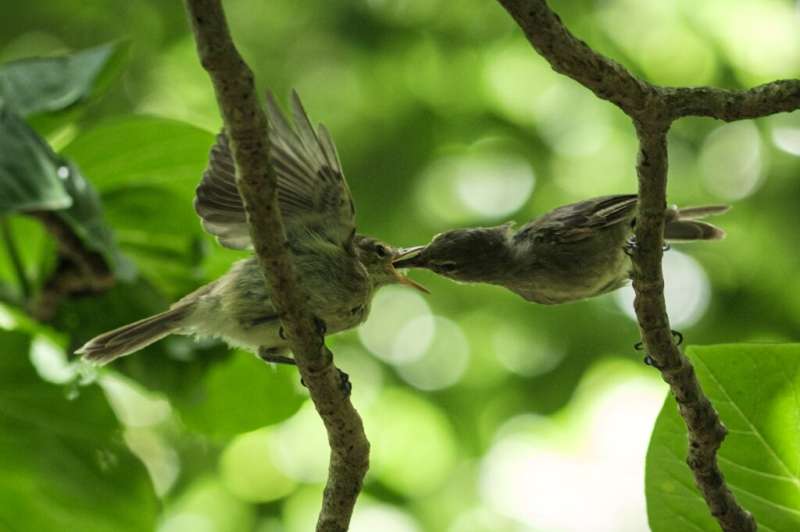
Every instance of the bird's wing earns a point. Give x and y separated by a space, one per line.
577 221
312 191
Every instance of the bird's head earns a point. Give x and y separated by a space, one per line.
377 257
468 255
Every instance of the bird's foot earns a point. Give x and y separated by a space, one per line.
630 246
275 355
344 383
677 337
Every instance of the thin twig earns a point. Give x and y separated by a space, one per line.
653 109
246 125
16 260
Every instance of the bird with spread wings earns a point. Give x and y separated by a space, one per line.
338 268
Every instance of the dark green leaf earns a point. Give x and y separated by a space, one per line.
70 468
755 388
85 218
31 175
31 86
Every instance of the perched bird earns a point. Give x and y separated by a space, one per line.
571 253
339 269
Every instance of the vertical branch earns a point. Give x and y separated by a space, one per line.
246 125
706 431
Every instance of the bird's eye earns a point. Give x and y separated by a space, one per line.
381 251
446 266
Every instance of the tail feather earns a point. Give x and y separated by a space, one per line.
696 213
134 336
683 224
692 230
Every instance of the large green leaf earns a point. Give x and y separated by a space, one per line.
242 394
31 175
146 170
143 150
65 466
37 85
756 389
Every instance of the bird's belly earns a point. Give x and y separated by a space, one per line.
574 278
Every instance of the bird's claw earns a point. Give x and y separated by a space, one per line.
630 246
677 337
344 383
650 361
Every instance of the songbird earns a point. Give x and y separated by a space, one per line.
574 252
339 269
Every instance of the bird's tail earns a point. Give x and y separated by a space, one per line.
134 336
685 224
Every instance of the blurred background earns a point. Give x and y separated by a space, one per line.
486 413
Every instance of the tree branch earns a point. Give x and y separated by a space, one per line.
572 57
246 125
653 109
706 432
770 98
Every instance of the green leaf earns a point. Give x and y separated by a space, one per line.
143 150
70 468
38 85
242 394
146 170
30 173
756 389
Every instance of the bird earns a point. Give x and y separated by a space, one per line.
573 252
338 268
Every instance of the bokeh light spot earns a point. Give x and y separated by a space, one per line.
731 161
445 359
413 446
392 308
383 518
478 183
247 472
686 288
307 462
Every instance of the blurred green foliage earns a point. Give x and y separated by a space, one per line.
486 413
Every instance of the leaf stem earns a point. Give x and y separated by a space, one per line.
16 259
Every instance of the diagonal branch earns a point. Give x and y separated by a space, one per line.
246 125
653 109
572 57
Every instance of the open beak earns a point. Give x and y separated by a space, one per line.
401 260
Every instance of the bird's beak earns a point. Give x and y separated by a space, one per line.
408 257
407 254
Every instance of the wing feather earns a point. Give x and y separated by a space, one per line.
312 191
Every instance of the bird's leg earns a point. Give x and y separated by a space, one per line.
275 356
665 247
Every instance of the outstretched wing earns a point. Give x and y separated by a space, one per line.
312 191
577 221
